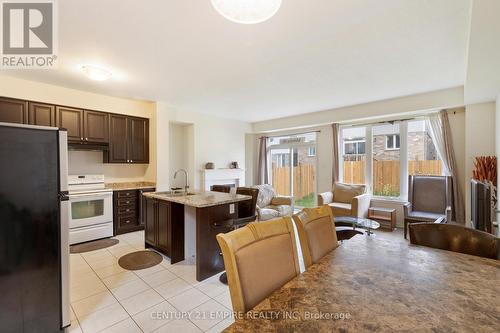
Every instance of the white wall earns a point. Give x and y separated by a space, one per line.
179 147
480 140
442 99
90 162
214 139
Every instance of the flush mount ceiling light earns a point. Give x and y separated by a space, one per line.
247 11
96 73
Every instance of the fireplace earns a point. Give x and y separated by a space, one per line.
228 177
228 185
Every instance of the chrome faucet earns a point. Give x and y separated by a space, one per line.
186 179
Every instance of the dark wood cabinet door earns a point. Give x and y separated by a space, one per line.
142 205
164 232
96 126
118 139
150 221
72 120
13 111
42 114
138 132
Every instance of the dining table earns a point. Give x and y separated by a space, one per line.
378 285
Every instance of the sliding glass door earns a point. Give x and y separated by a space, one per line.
293 168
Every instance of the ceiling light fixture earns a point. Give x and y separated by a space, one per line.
247 11
96 73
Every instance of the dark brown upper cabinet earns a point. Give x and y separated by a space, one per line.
118 139
42 114
13 111
138 130
72 120
95 125
128 139
83 126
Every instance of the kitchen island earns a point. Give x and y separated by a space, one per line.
185 224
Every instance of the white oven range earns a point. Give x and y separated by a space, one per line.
91 213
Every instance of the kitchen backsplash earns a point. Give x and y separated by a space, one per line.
90 162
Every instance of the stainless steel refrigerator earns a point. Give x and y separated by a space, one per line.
34 213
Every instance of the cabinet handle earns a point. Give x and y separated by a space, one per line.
128 210
81 139
127 221
131 161
86 139
127 202
128 194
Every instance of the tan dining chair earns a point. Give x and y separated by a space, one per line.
317 233
259 258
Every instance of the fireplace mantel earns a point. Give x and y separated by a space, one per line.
211 177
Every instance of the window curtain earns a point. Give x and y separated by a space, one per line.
262 173
439 128
335 153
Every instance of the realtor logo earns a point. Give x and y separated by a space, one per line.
28 34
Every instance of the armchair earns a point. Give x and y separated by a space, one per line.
429 200
346 200
270 205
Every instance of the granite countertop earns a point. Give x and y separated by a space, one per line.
130 186
200 199
370 284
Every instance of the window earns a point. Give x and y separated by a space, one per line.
386 160
422 154
354 155
383 155
354 147
293 167
280 159
392 141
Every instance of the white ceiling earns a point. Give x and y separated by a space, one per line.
313 55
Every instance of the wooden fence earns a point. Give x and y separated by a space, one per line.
304 180
386 176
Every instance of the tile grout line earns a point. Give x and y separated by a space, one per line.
111 295
178 276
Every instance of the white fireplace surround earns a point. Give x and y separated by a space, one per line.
211 177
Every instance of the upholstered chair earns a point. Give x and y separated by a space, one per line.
246 209
456 238
317 233
259 258
429 200
270 205
346 200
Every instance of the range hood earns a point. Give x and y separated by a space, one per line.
88 146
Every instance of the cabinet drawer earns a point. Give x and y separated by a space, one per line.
127 194
126 201
126 221
127 210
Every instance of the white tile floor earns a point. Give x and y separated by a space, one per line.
163 298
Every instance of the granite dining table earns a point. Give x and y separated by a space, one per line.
375 285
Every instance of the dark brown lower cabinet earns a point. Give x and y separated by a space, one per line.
127 212
164 228
211 221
